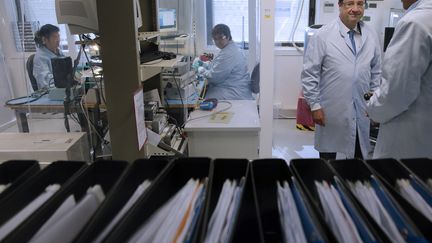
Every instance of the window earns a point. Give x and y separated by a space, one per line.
234 13
288 18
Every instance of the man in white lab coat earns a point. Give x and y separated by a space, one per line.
403 102
341 63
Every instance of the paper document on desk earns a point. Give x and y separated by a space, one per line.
221 117
139 117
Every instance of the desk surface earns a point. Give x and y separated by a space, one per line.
245 118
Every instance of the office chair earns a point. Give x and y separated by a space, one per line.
255 79
29 65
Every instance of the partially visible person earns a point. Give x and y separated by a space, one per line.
227 73
402 104
341 63
47 40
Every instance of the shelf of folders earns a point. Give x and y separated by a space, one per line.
220 200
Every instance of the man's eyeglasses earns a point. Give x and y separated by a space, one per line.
351 4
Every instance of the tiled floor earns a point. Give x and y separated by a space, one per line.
291 143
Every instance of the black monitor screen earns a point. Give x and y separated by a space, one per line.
62 72
388 34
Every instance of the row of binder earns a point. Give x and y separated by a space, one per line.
222 200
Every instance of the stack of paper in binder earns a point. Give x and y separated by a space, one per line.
376 201
418 195
176 220
341 215
22 215
221 222
132 200
297 225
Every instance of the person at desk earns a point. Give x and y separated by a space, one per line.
227 73
47 39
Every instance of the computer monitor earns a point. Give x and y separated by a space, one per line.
62 72
79 15
167 20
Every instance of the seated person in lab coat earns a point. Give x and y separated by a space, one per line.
227 73
47 39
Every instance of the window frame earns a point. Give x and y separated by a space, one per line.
209 25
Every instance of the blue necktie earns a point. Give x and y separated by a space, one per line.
351 36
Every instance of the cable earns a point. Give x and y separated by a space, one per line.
296 22
39 95
211 114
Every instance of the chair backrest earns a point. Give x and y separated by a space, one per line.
255 79
29 65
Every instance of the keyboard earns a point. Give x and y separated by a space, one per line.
151 56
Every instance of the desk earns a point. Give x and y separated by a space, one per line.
45 105
237 139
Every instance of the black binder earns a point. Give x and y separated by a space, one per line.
265 174
104 173
56 173
307 171
166 185
422 167
233 169
136 174
357 170
390 170
16 173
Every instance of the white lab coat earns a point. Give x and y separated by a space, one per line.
335 80
403 102
42 69
227 75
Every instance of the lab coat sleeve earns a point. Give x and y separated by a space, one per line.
220 68
311 74
406 60
376 69
42 71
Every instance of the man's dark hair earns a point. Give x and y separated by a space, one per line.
222 29
45 31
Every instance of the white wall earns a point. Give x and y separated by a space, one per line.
288 67
15 61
